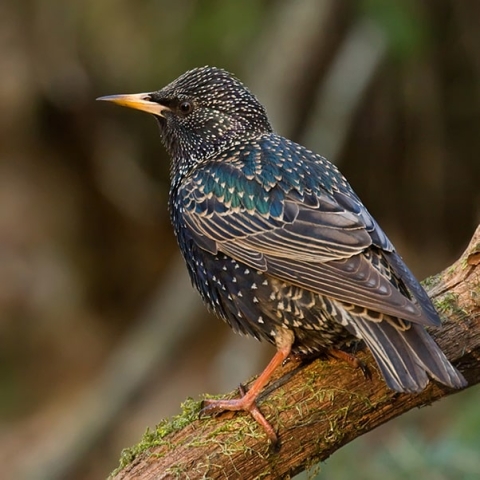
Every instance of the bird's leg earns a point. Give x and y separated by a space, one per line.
351 359
284 341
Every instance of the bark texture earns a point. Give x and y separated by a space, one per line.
316 408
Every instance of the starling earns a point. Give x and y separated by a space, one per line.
279 245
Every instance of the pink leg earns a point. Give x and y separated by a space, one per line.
351 359
247 403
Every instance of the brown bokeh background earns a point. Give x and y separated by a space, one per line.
101 334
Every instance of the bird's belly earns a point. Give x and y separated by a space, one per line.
256 304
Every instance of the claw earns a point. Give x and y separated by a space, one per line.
247 404
247 401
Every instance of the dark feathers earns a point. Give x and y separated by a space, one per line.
275 238
330 244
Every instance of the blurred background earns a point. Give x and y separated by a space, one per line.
101 334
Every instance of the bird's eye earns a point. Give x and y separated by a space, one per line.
186 107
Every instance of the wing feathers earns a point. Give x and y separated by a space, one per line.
364 286
307 227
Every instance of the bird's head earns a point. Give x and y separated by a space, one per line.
201 113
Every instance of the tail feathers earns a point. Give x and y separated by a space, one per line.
405 357
432 358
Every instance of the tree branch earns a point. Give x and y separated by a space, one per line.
316 408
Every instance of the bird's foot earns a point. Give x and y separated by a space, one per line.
247 404
352 360
284 340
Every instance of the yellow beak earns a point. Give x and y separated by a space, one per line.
138 101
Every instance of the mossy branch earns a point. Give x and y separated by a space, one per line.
316 408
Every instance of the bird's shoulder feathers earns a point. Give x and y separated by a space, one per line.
278 207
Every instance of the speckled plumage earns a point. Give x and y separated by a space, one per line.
275 238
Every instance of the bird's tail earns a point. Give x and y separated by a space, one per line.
407 357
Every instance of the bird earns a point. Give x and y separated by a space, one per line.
280 246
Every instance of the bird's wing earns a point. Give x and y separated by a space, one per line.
323 240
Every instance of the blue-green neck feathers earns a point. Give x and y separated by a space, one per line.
255 176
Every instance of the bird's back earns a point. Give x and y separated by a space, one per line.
275 237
